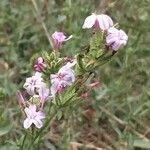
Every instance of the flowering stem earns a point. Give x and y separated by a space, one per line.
39 133
43 128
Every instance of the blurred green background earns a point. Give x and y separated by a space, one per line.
117 116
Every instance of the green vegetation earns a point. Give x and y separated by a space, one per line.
117 114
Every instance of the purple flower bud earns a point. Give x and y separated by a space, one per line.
39 65
59 38
20 98
102 21
116 38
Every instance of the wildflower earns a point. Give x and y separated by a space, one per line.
63 78
21 98
116 38
33 117
39 65
44 94
33 83
59 38
102 21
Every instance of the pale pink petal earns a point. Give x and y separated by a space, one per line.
30 90
113 30
32 108
54 88
28 112
27 123
40 115
89 21
59 36
116 38
71 64
105 22
68 38
53 76
38 123
21 98
123 35
111 40
116 46
38 75
40 60
43 93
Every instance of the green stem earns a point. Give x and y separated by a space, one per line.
44 127
23 141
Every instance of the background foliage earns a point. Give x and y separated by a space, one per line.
116 115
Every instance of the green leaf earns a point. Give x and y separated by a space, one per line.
59 114
130 141
2 94
5 128
141 144
49 145
7 147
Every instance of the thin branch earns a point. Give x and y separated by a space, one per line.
42 22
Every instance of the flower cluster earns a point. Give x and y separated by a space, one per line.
38 90
54 74
115 38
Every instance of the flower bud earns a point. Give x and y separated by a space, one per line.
39 65
20 98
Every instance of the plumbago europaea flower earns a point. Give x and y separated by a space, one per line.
34 117
64 77
102 22
62 81
116 38
33 83
59 38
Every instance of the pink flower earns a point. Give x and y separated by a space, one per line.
116 38
39 65
21 98
33 83
59 38
44 94
102 21
33 117
63 78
